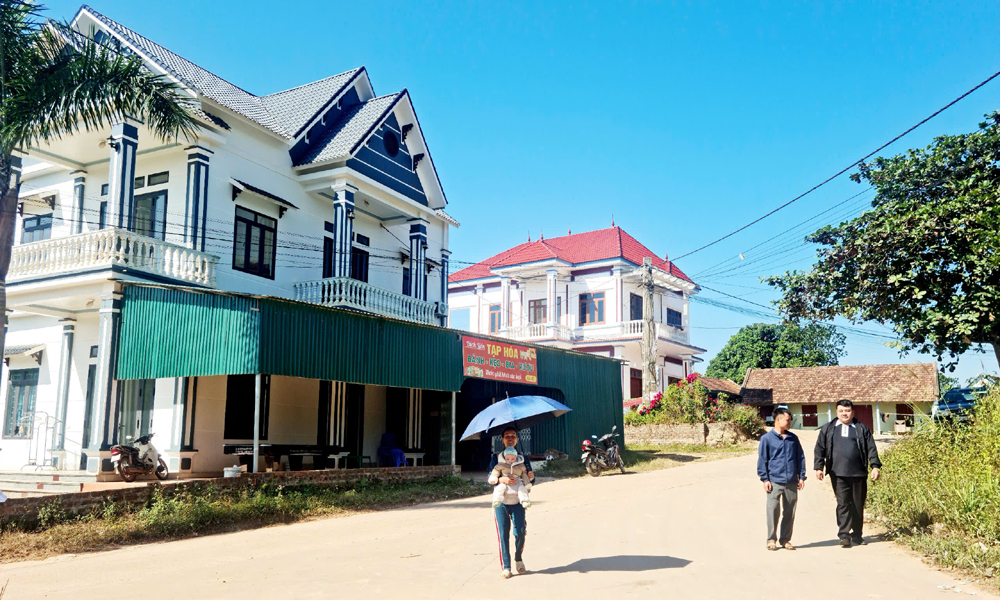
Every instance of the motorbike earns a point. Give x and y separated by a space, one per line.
138 457
603 454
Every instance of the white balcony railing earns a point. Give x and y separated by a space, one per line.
540 331
109 248
626 329
351 293
663 331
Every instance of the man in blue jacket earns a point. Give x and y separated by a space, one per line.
781 466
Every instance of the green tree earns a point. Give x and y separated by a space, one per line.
54 82
925 258
768 346
946 383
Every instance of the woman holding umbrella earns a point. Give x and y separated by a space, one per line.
504 418
506 513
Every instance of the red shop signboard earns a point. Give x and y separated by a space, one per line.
487 359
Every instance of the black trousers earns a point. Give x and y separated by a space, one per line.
851 495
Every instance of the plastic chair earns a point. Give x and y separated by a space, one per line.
385 448
398 458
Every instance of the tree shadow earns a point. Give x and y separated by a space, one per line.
625 563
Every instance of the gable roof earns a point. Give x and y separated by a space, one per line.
915 382
281 113
720 385
294 108
574 249
353 128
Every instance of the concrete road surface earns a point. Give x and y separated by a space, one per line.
695 531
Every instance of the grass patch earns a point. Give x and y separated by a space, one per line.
940 491
185 515
641 458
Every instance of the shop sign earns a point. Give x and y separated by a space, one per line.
489 359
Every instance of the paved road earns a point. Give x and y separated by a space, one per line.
695 531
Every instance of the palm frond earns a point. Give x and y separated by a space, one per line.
68 82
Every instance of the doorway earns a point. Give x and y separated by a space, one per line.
149 218
137 409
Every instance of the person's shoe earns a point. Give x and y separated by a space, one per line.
845 542
520 566
505 574
496 503
788 546
526 504
859 541
772 545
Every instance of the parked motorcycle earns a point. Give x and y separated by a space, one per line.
138 457
603 454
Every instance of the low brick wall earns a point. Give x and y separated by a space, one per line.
662 435
24 511
713 434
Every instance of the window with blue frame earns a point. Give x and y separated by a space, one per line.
406 281
36 228
674 318
20 403
254 246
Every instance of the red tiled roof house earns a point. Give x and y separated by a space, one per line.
574 292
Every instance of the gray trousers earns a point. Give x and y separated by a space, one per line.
781 500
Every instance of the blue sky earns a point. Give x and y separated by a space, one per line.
683 121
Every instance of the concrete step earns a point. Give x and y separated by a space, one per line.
49 476
9 486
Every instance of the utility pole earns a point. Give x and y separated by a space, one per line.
648 330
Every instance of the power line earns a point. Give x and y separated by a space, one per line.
845 169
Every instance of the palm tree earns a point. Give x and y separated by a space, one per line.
54 82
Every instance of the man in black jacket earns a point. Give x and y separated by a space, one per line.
845 449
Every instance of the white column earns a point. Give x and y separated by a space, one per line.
79 181
123 143
418 254
550 297
479 309
256 422
196 201
343 229
619 315
105 386
454 434
445 256
504 303
878 419
62 389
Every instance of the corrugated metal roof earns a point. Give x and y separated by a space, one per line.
207 332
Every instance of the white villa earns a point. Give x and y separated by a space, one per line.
575 292
324 193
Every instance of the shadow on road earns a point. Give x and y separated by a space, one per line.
618 563
835 542
478 504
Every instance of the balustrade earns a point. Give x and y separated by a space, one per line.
112 247
351 293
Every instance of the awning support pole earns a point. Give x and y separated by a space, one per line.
454 433
256 422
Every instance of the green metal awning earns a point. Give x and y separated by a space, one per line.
182 332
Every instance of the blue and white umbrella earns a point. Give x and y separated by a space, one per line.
519 412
